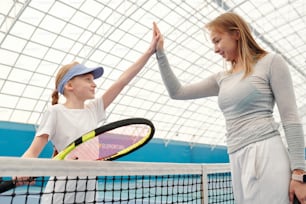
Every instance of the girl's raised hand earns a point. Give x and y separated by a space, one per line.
160 41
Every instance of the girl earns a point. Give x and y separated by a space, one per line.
63 123
247 92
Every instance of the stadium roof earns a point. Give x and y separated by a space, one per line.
38 36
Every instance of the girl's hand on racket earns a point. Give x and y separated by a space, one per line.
24 180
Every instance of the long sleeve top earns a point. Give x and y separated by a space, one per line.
247 103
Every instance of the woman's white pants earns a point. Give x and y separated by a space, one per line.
261 173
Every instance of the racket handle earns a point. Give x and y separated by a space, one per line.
7 185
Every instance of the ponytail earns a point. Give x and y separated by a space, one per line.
63 70
55 97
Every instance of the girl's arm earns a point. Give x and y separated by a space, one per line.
111 93
38 143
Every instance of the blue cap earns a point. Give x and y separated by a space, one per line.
77 70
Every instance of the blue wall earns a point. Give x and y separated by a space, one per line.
15 138
178 152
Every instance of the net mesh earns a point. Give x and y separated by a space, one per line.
115 182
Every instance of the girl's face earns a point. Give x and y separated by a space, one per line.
83 86
225 44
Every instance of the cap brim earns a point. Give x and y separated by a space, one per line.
97 72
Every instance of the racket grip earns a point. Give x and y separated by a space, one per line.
7 185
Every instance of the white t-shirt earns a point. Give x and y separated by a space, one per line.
63 126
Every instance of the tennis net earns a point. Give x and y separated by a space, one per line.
115 182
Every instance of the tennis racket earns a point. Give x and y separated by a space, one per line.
108 142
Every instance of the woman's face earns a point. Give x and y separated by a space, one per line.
225 44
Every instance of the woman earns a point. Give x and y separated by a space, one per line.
247 92
63 123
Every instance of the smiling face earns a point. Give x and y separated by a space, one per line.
225 44
83 86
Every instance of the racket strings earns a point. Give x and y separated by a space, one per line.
103 146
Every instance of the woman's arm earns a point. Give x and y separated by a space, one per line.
282 87
205 88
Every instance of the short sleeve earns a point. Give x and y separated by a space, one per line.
47 124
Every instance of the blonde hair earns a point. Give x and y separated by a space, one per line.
249 51
60 74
